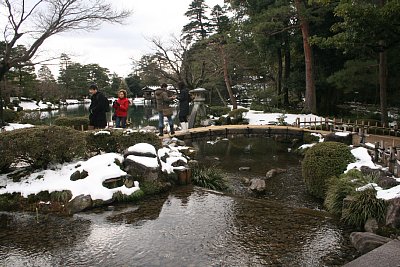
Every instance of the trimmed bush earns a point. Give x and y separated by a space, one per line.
40 146
364 206
321 162
218 111
10 115
33 118
212 178
74 122
118 141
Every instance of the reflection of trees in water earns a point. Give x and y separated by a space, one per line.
261 154
50 232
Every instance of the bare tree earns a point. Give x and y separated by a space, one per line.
35 21
174 63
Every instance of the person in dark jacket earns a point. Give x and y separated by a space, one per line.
184 99
121 106
97 108
163 108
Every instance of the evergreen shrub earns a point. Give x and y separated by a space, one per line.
218 111
40 146
118 140
340 188
321 162
74 122
10 115
364 206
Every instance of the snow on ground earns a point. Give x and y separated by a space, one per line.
14 126
362 159
260 118
99 168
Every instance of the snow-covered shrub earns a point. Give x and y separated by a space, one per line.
75 122
323 161
364 206
40 146
118 141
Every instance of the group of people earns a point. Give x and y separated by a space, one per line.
99 106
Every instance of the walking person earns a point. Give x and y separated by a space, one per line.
98 107
163 108
121 106
184 99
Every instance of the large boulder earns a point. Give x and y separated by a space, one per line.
393 213
141 150
364 242
141 162
257 185
274 172
79 203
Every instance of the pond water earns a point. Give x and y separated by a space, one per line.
139 115
191 226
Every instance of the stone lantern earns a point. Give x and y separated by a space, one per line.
199 98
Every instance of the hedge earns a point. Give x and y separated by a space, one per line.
74 122
41 146
321 162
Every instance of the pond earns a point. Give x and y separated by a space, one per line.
139 115
191 226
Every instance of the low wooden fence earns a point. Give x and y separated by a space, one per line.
360 126
386 156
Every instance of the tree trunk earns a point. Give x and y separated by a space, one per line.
310 104
279 78
383 73
226 77
286 73
3 71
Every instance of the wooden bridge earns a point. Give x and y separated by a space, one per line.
384 149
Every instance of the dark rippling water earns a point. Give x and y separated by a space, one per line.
189 227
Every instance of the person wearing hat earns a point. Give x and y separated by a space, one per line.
163 108
98 108
121 106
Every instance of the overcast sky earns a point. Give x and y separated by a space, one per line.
114 45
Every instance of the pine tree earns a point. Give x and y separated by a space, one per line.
199 26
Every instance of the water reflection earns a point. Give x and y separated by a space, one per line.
139 115
260 154
192 226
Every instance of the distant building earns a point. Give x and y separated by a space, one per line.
149 91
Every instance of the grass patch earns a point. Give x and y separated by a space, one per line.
212 178
364 206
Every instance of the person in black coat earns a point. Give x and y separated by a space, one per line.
184 99
97 108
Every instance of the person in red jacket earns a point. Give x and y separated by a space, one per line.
121 106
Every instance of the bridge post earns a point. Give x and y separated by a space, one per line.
376 152
392 160
398 162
